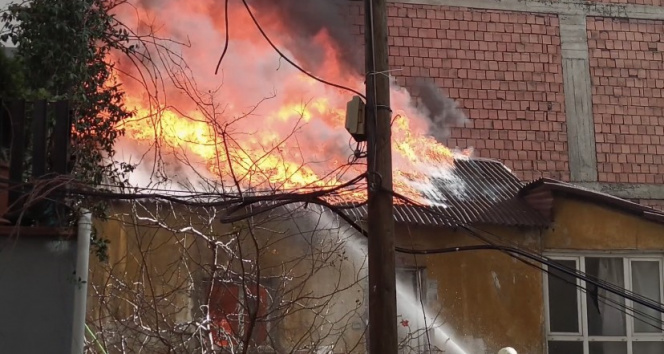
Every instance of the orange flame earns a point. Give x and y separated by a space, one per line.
294 139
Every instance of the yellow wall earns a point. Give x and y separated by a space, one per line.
495 300
586 226
152 270
488 298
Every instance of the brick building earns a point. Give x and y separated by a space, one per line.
568 89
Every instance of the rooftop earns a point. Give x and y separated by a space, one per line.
484 191
475 191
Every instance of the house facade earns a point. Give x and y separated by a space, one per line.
494 299
294 280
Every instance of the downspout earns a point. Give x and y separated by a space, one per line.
81 290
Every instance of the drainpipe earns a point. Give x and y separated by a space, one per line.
81 290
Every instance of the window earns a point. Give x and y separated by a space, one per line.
584 319
231 306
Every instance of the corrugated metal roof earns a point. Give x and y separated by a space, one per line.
473 191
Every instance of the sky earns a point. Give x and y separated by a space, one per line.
3 4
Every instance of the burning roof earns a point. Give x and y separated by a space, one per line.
263 125
475 191
484 191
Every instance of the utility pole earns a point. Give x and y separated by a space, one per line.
382 282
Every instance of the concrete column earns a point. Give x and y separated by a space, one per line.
578 98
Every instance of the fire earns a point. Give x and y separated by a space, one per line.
269 127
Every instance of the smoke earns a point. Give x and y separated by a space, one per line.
268 105
442 111
304 20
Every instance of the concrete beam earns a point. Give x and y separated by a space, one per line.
578 99
569 7
627 190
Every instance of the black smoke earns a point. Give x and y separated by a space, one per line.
443 112
305 19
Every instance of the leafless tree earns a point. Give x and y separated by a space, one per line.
209 272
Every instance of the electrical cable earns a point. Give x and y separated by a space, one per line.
512 251
371 101
513 254
291 62
314 197
223 53
605 285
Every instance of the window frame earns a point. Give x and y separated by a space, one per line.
241 307
582 306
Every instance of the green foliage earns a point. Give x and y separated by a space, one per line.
99 246
65 50
11 77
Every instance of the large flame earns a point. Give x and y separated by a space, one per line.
260 123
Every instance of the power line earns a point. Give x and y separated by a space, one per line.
223 53
291 62
514 250
315 197
514 253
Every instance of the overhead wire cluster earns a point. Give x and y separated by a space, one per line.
544 264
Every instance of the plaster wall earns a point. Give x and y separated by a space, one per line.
490 299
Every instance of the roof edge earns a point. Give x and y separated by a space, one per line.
592 196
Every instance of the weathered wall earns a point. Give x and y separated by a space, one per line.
486 299
158 275
586 226
489 299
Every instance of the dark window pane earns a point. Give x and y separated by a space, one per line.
606 316
563 306
565 347
607 348
645 282
648 347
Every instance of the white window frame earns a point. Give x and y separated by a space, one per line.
582 335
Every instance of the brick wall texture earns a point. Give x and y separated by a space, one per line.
628 82
504 68
633 2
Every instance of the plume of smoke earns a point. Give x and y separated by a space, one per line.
442 111
305 19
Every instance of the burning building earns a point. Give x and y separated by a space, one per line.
262 125
476 273
292 279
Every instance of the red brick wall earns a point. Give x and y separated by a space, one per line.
628 104
504 68
633 2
